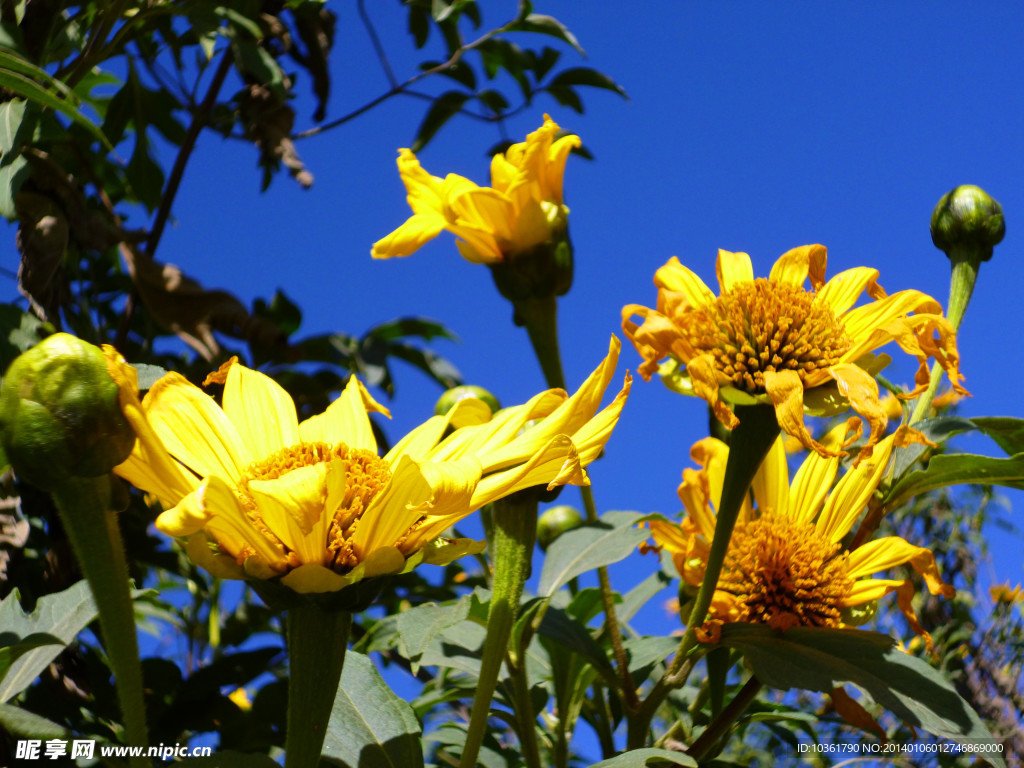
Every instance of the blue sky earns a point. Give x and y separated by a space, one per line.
750 126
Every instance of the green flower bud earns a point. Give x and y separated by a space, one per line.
968 219
556 521
59 414
448 400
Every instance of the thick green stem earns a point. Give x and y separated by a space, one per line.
317 641
515 529
540 316
721 724
84 506
749 444
965 272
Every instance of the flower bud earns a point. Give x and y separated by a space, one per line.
59 413
556 521
448 400
968 219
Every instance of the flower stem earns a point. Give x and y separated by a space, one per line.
965 264
749 444
84 506
718 727
540 316
515 530
317 641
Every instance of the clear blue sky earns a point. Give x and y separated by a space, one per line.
751 126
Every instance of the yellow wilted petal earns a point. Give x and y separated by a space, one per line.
678 278
882 554
814 478
843 289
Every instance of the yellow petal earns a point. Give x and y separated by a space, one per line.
733 269
545 465
771 482
452 485
262 412
793 267
292 507
814 478
530 227
678 278
854 714
417 231
852 493
859 323
405 499
554 172
485 209
423 439
424 193
843 289
695 495
566 419
882 554
345 420
713 456
194 429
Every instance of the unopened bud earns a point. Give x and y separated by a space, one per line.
556 521
59 413
968 219
448 400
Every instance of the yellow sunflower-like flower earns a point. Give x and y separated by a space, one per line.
259 495
786 565
772 340
521 209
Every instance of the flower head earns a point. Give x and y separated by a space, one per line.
786 564
772 340
259 495
521 209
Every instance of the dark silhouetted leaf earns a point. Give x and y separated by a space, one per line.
441 111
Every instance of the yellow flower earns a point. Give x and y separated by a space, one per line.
259 495
521 209
786 564
771 340
1001 593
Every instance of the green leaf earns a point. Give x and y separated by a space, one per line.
370 726
436 367
1007 432
62 616
547 25
20 722
38 86
418 626
560 627
957 469
818 659
610 539
589 77
566 96
10 653
445 106
641 758
14 169
421 327
12 113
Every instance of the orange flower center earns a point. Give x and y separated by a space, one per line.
784 573
765 326
366 474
